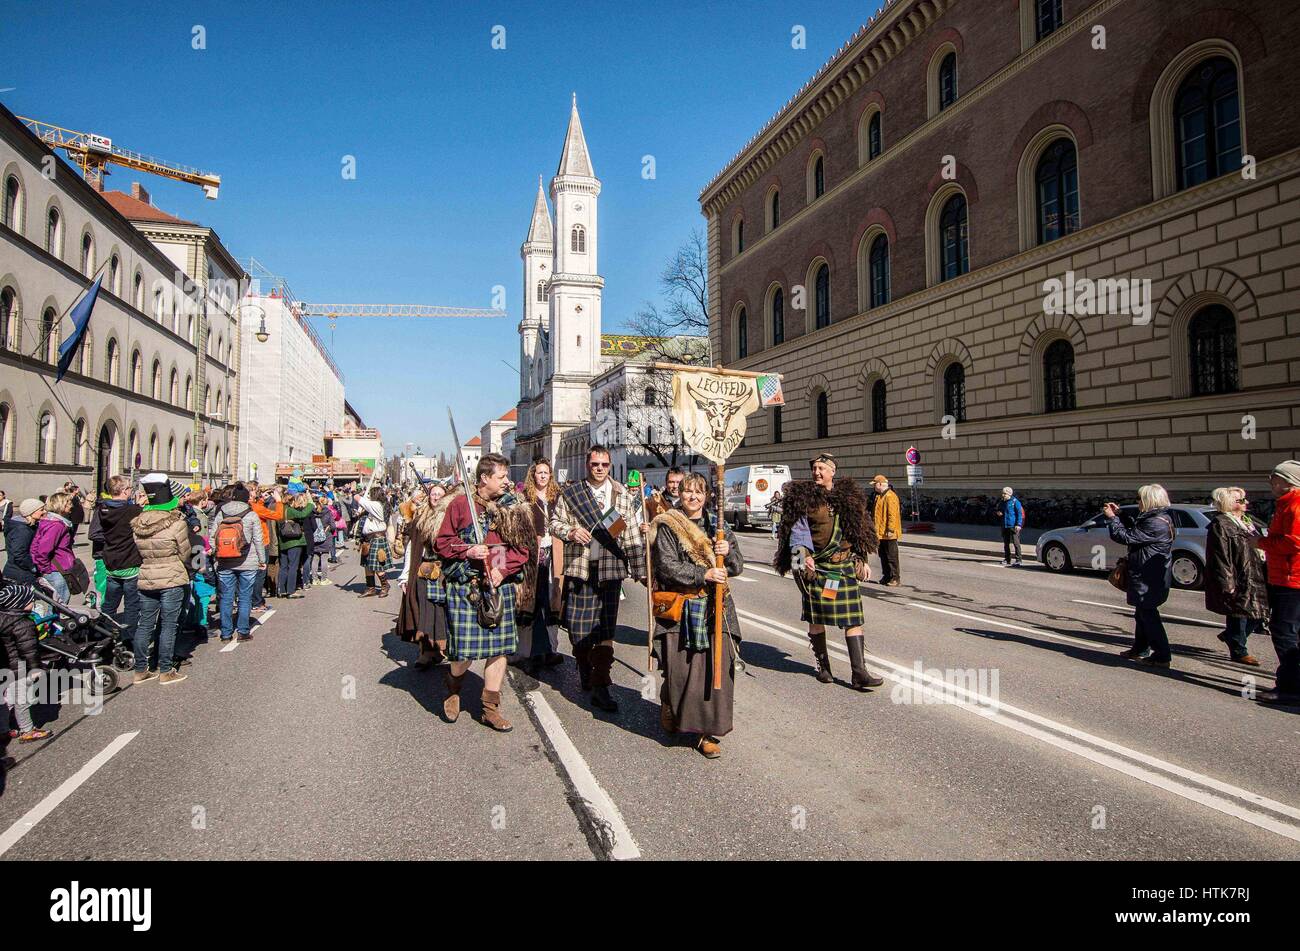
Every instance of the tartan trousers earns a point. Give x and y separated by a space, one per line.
590 609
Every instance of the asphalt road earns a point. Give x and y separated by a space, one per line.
1007 728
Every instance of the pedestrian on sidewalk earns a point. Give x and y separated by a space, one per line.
375 554
1282 548
163 536
313 552
20 532
1013 520
684 548
422 620
52 547
113 542
293 540
602 520
889 529
1150 543
269 507
538 632
240 552
827 533
1235 583
496 571
334 527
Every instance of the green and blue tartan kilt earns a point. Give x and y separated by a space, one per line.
844 612
470 641
378 543
590 609
436 589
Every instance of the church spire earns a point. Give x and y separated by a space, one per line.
540 232
575 160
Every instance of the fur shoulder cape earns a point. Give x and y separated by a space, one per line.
696 545
857 522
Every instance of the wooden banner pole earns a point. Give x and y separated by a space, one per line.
719 590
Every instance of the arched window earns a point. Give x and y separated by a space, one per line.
45 439
742 335
947 81
823 416
776 424
778 316
115 275
189 396
1047 17
817 177
133 448
153 450
954 392
158 304
12 210
740 235
8 319
773 209
137 372
207 400
53 232
873 137
879 271
651 396
822 296
157 380
174 389
87 254
1212 345
1057 186
879 411
85 354
49 336
81 444
953 250
228 419
1058 377
578 239
112 369
137 292
1207 122
185 457
171 453
6 433
541 291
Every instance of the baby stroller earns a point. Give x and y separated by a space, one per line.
83 639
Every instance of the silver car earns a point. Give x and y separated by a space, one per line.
1063 549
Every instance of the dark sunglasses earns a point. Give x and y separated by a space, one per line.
598 465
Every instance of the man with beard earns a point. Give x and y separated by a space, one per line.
827 531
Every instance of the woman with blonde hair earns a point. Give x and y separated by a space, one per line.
539 636
52 546
422 614
1147 577
1235 585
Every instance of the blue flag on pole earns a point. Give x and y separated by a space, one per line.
80 318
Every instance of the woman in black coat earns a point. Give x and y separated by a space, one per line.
1235 585
19 655
1150 544
20 531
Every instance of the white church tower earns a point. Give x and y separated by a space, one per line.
538 255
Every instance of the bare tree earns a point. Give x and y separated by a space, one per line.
684 311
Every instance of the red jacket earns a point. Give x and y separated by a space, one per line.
1282 546
267 515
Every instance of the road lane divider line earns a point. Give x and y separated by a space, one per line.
234 642
1069 738
607 820
266 617
15 832
744 579
1163 616
1066 638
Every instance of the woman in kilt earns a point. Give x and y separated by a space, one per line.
375 554
683 550
505 561
827 531
421 619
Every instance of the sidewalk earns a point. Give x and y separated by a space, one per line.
971 539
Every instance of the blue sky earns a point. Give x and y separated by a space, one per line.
449 136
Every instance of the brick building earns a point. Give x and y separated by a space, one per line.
888 241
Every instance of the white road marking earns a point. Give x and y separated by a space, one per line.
749 566
743 578
1063 737
622 845
1015 627
234 642
70 785
1168 617
266 617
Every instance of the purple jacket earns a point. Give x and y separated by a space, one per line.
52 546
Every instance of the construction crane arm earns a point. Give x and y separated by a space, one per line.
333 311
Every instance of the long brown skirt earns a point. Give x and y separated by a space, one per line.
688 686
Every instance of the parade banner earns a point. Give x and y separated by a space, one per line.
710 407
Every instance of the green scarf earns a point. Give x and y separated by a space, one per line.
163 506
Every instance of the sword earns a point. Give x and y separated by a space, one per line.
464 479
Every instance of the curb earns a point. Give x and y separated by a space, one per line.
995 552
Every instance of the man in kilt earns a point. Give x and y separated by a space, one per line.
602 520
827 531
472 571
375 554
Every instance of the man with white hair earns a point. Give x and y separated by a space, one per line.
1282 548
1013 520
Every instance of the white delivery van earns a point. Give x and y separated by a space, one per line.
749 493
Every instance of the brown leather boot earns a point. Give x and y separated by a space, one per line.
862 677
667 719
451 705
818 642
708 747
582 654
383 592
492 712
602 659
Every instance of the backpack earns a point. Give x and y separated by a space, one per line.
319 536
231 542
291 529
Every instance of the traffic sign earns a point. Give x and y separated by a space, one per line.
194 465
915 475
913 456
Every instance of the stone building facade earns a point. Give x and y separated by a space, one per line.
889 242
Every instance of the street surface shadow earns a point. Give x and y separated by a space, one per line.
427 687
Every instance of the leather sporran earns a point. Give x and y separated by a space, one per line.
429 570
488 605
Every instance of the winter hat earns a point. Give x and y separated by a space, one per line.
29 507
825 457
1288 471
158 488
239 492
880 478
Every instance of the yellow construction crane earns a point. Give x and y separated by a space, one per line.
335 311
93 152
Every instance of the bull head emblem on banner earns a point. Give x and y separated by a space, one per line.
718 410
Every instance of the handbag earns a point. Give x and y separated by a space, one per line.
668 605
1118 576
76 578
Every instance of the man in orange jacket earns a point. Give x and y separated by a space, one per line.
1282 546
268 514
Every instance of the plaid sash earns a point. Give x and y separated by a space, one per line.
582 503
